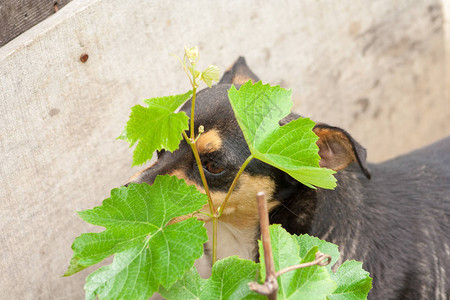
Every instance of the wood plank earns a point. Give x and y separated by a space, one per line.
18 16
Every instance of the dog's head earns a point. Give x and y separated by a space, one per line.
223 149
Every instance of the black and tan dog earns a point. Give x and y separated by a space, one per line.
396 222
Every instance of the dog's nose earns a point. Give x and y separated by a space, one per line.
126 184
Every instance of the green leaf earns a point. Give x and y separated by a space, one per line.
188 287
149 252
156 127
353 283
229 280
306 242
292 147
210 74
307 283
285 251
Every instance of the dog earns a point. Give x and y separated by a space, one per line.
393 218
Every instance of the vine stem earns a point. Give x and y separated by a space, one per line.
233 185
193 144
270 286
214 254
194 90
192 141
321 260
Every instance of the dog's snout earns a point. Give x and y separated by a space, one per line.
148 175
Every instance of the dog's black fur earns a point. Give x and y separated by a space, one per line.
396 222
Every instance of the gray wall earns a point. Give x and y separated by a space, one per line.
375 68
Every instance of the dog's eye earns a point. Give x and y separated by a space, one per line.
213 167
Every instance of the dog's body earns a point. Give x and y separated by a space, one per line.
396 222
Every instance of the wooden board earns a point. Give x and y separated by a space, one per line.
17 16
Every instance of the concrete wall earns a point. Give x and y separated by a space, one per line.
375 68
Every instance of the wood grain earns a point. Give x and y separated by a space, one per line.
17 16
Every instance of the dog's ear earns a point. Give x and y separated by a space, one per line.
239 73
337 149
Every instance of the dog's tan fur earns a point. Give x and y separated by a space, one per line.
241 210
209 141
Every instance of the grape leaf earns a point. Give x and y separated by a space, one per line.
156 127
149 252
307 283
292 147
188 287
306 242
210 74
230 276
229 280
353 283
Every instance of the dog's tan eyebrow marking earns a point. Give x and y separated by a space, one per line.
209 141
